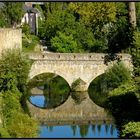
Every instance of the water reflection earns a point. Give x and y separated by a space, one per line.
79 131
50 93
75 107
78 97
47 99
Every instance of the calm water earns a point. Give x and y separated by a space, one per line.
38 100
73 131
79 131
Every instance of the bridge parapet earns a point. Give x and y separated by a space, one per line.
75 56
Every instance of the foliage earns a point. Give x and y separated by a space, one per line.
13 12
25 126
91 13
54 83
3 22
123 89
113 77
13 79
10 102
100 92
65 22
63 43
29 42
138 14
135 51
119 37
117 75
4 133
105 29
26 29
13 114
58 85
13 71
123 102
131 130
100 20
56 92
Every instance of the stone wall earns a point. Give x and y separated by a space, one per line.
10 39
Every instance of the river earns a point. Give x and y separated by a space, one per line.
65 125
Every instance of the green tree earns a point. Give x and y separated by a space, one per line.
95 14
13 13
63 43
14 69
65 22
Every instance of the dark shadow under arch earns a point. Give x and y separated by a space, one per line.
43 76
98 90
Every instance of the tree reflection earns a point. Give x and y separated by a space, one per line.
99 128
93 126
74 129
83 130
106 128
55 91
112 129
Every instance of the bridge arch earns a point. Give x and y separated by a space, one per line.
54 75
35 71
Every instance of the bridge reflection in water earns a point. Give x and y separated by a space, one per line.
77 116
77 109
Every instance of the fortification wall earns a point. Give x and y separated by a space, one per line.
10 39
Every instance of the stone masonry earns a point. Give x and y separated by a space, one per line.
73 66
10 39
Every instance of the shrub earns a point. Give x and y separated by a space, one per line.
29 42
22 126
131 130
116 75
4 133
14 67
123 102
17 123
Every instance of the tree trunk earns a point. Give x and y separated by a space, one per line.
132 14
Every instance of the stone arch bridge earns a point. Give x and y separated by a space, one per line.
72 66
